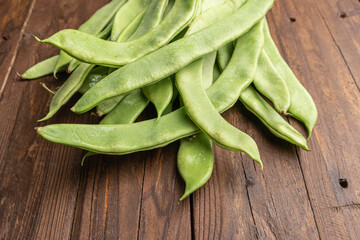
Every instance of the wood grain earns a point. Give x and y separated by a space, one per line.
46 194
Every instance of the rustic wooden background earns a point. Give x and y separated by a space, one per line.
46 194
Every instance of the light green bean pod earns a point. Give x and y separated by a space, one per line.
207 71
268 82
270 118
94 25
216 72
302 106
173 57
128 110
125 15
203 113
84 46
69 88
109 104
92 78
41 69
195 162
103 35
224 55
160 94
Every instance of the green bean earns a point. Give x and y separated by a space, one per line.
85 47
74 63
216 72
173 57
170 106
168 7
92 78
94 25
144 22
224 55
125 15
270 118
70 86
195 162
41 69
207 71
302 106
268 82
128 110
202 112
160 94
151 19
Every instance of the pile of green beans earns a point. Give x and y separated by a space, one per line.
192 60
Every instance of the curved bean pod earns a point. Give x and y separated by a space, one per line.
173 57
224 55
195 162
203 113
271 85
270 118
160 94
92 78
125 15
128 110
41 69
85 47
302 106
94 25
207 71
69 88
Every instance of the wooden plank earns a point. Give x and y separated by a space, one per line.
15 15
342 19
108 205
161 216
38 180
309 48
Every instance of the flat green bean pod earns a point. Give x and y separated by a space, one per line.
94 25
160 94
207 71
125 15
69 88
201 110
88 48
92 78
173 57
195 162
302 106
41 69
128 110
224 55
271 85
270 118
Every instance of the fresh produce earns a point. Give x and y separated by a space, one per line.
133 52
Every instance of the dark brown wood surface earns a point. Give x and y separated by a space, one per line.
46 194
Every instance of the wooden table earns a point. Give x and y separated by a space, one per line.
46 194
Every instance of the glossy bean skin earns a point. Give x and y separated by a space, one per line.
160 94
224 55
302 106
85 47
195 162
128 110
268 82
125 15
41 69
173 57
270 118
69 88
203 113
94 25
